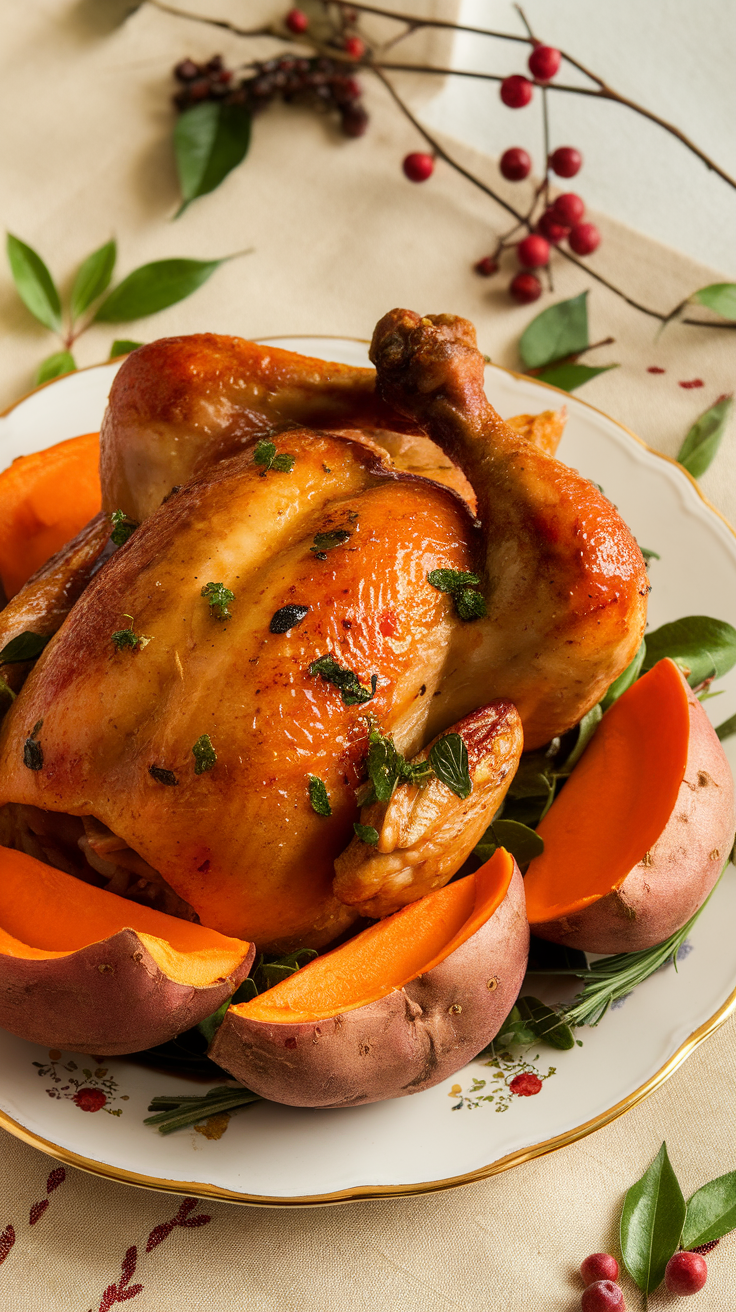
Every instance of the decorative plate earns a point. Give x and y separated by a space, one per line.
487 1118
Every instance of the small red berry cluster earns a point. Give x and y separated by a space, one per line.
298 22
321 82
686 1273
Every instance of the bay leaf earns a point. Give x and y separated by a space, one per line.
547 1024
155 287
651 1223
210 140
704 438
34 283
93 278
55 366
718 296
560 330
568 377
699 644
726 729
518 839
123 346
25 646
711 1212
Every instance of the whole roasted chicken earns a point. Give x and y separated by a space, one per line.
289 601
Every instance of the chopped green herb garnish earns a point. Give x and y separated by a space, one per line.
351 689
649 555
122 527
129 638
23 647
318 796
326 541
287 618
387 767
219 598
163 776
204 754
449 760
469 604
366 833
265 454
32 750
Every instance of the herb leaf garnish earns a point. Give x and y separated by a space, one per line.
326 541
265 454
122 527
163 776
651 1223
287 618
204 754
449 760
522 842
32 750
700 645
387 767
23 647
129 638
318 796
219 598
366 833
351 689
469 604
531 1021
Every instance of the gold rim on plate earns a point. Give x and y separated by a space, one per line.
199 1190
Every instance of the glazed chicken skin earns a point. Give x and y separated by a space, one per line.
112 727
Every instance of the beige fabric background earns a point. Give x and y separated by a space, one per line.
339 237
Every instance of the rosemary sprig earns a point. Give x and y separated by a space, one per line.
175 1112
613 977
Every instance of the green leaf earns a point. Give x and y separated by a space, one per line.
319 796
718 296
55 366
726 729
521 841
625 680
547 1024
704 648
205 756
25 646
122 346
651 1223
469 604
515 1030
334 538
568 377
7 697
209 141
649 555
366 833
154 287
560 330
586 730
34 283
704 438
449 760
351 689
93 278
711 1212
451 580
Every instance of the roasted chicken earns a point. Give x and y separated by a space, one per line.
205 707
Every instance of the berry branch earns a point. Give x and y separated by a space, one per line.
326 80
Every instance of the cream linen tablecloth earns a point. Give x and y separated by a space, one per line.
339 237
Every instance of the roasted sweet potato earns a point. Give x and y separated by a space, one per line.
394 1010
638 836
85 970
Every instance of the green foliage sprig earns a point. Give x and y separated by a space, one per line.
144 292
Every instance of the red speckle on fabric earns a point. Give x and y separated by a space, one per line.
525 1085
694 382
37 1211
655 369
90 1100
7 1239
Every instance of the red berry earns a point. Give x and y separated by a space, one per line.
685 1273
599 1266
516 91
584 238
533 252
186 70
566 161
486 266
544 62
551 228
418 166
297 21
568 209
354 46
515 164
603 1296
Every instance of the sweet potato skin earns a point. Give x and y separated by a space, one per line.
405 1042
108 998
676 875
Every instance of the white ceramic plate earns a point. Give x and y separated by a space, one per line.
92 1116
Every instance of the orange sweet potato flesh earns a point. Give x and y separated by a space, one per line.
395 1010
84 969
637 837
45 499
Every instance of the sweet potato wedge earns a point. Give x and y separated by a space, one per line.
637 838
395 1009
85 970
